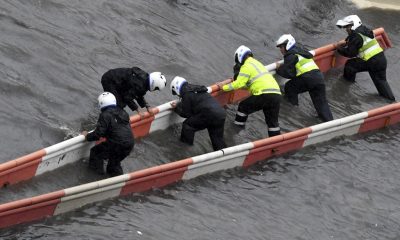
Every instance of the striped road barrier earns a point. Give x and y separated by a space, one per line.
243 155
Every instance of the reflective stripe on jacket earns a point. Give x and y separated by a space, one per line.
369 49
254 77
304 65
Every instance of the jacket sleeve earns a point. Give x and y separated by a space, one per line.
306 54
100 131
129 98
132 105
288 68
353 43
182 109
142 102
241 80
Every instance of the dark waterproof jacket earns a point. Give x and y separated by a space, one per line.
130 84
354 42
196 101
288 68
113 124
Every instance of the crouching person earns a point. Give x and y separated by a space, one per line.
201 111
113 124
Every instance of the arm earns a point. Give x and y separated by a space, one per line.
353 43
132 105
182 109
129 98
142 102
241 80
178 109
288 68
100 131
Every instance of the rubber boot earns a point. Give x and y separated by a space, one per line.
273 133
384 90
114 170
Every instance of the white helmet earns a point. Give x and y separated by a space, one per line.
241 52
353 20
176 85
286 39
157 81
106 99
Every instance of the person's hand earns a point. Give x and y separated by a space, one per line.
173 104
338 44
277 64
84 133
150 110
220 85
140 114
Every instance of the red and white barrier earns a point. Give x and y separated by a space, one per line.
243 155
75 149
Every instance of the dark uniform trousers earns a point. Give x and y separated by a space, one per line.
115 153
376 67
312 83
269 103
214 124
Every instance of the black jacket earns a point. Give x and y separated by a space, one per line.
354 41
197 101
113 124
129 83
290 59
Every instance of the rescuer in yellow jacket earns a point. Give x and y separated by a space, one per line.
304 74
365 53
264 90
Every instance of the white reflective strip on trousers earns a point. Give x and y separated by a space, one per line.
238 123
241 114
275 129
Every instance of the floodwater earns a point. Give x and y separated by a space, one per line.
52 56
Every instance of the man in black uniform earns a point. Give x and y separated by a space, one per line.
366 55
201 111
305 76
129 84
113 124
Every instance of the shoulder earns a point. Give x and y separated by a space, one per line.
122 113
139 72
355 35
290 56
245 67
107 113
